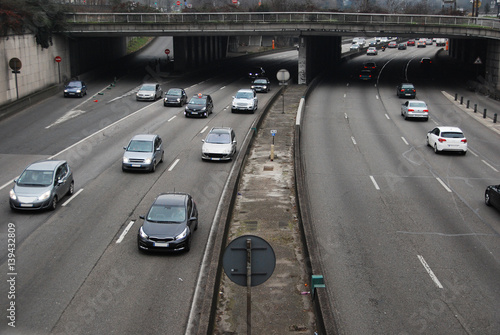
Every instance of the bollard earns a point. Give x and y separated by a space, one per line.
461 100
495 118
475 108
456 96
468 103
484 114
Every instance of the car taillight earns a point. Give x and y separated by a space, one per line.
464 140
426 111
402 90
411 110
441 140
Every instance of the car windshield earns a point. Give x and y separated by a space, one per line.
74 84
452 134
198 101
407 86
176 92
244 95
148 88
218 138
166 214
35 178
140 146
260 81
417 104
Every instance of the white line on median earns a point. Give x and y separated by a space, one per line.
429 271
72 197
404 140
173 117
444 185
387 116
173 164
122 236
353 140
374 183
485 162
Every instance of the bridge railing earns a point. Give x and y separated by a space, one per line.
282 17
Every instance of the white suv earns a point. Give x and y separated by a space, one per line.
244 100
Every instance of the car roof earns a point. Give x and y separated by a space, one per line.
173 199
407 84
221 130
249 90
144 137
45 165
417 101
149 84
446 128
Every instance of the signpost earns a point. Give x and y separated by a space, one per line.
15 65
273 133
58 61
283 76
249 261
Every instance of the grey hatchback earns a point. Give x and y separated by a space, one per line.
143 152
41 185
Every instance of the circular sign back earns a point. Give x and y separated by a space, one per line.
283 75
234 260
15 64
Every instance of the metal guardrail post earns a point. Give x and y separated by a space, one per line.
468 103
484 114
456 96
495 118
461 100
475 108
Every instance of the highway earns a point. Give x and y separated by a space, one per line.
78 269
407 244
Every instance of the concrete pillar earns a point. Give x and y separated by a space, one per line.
316 55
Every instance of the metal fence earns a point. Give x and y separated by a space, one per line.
284 17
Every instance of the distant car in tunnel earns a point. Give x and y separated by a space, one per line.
75 88
256 72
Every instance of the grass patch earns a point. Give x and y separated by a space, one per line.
137 43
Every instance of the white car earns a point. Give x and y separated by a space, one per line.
149 92
447 139
245 100
372 51
416 109
220 144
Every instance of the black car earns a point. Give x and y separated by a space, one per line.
169 224
75 88
256 72
175 97
492 196
406 90
261 85
200 105
402 46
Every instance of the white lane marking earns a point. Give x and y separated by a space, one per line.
353 140
472 152
72 197
173 164
223 87
98 131
404 140
7 183
429 271
345 95
173 117
69 115
444 185
435 122
485 162
374 183
387 116
122 236
345 115
203 130
376 95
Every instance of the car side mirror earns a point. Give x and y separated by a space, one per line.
203 141
142 217
193 218
125 148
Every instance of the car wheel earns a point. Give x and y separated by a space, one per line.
188 245
162 155
426 119
436 149
428 144
71 188
487 199
153 167
53 203
464 153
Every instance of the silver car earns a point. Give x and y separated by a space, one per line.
42 185
149 92
143 152
415 109
245 100
220 144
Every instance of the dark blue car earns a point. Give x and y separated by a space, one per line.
75 89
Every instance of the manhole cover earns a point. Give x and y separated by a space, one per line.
268 168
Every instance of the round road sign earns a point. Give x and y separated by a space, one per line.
58 59
15 64
283 75
167 51
178 3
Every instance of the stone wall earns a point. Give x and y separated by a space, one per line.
39 69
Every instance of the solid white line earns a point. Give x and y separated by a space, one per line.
387 116
122 236
429 271
173 164
203 130
444 185
345 115
404 140
472 152
72 197
482 160
173 117
345 95
374 183
353 140
8 183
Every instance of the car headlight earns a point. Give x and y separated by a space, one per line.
203 109
13 195
78 91
65 91
125 160
44 196
147 161
142 233
182 235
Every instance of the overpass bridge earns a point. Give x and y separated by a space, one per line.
200 38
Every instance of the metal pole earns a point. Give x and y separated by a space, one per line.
484 114
283 100
17 89
249 286
59 70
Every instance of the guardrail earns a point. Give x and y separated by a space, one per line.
284 17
